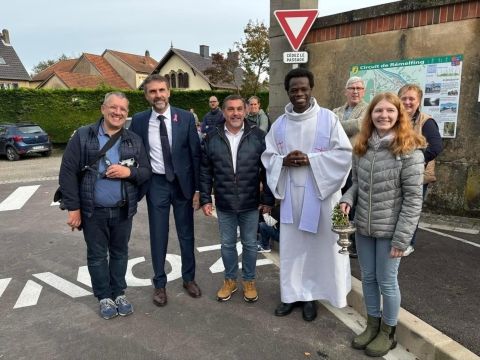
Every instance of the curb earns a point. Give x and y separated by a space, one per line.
415 335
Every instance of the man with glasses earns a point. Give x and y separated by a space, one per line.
213 117
100 194
350 115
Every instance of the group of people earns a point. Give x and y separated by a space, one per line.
303 161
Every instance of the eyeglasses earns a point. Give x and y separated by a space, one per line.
355 89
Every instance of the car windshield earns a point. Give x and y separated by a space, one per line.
30 129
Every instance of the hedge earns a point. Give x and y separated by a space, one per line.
60 112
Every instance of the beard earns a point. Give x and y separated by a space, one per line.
160 105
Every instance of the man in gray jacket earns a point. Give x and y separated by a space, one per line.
350 115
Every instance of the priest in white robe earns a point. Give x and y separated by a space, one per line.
308 157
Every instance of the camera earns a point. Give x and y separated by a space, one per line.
128 162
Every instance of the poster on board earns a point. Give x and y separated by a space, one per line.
439 77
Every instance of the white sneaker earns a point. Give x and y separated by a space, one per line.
409 250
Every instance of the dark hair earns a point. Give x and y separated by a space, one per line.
233 97
296 73
155 77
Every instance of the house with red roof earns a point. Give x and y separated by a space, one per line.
112 68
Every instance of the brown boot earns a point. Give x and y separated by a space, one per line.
228 288
249 291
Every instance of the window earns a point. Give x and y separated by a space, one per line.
2 61
182 80
173 79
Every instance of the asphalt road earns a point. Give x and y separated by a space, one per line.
47 310
40 319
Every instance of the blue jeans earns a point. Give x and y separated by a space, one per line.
267 233
107 234
248 222
414 237
379 277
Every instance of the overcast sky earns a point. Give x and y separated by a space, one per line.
42 30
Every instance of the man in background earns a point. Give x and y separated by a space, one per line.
213 117
350 115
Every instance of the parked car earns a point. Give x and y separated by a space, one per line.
23 139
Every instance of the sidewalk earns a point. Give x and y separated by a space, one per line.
450 222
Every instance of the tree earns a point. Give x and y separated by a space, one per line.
42 65
254 53
223 69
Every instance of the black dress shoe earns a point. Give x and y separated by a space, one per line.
160 297
192 289
309 310
284 309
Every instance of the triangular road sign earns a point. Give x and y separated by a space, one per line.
296 24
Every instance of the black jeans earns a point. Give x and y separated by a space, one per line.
107 234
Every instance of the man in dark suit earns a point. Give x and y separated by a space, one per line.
171 141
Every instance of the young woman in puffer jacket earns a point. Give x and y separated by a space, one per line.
387 168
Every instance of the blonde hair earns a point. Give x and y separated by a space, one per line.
405 138
413 87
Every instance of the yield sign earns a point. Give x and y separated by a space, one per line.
296 24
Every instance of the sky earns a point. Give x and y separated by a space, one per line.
43 30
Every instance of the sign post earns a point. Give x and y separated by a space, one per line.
296 24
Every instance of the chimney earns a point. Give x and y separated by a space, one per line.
147 53
204 51
5 37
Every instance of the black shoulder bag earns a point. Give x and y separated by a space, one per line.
58 196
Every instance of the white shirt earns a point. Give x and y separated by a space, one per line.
234 140
156 153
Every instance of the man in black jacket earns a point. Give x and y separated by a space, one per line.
101 198
213 117
231 162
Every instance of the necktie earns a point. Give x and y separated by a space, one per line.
167 155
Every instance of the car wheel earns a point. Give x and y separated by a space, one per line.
12 154
46 153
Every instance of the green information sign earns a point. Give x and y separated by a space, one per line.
439 77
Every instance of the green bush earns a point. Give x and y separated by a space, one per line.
59 112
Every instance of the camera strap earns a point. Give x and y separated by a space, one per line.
113 139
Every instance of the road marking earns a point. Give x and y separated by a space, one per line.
55 203
209 248
3 285
62 285
451 236
218 267
133 280
29 295
357 324
18 198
